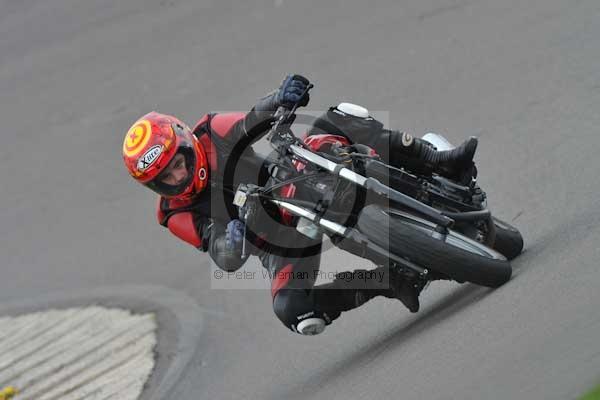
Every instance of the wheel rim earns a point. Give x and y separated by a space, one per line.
453 238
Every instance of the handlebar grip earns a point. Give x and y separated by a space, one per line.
279 112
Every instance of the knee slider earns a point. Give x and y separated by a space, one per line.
296 310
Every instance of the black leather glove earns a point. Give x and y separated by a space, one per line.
225 247
234 234
291 90
286 95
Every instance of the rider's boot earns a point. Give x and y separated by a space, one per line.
400 287
359 286
456 164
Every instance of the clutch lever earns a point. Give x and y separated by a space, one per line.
245 200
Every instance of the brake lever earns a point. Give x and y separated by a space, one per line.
282 117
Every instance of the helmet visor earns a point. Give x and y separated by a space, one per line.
163 183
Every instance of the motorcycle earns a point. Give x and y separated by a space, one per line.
427 226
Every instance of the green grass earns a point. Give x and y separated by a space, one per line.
592 395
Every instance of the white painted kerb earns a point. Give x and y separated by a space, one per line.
90 353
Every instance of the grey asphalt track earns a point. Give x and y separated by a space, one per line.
523 76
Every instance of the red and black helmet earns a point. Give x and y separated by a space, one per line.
150 145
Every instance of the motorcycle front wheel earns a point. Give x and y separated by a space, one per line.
415 239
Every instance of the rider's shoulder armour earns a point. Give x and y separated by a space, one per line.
221 124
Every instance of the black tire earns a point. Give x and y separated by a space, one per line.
508 241
410 237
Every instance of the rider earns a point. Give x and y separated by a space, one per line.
185 167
